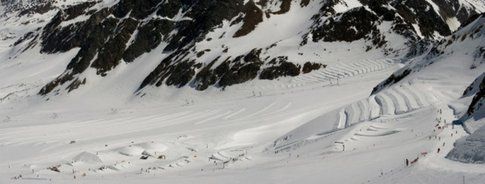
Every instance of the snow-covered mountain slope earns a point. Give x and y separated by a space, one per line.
472 118
216 43
448 67
437 78
456 59
180 91
471 149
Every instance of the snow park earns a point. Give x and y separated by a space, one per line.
242 91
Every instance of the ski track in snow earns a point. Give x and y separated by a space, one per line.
256 128
317 127
87 133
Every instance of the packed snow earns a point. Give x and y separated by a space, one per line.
320 127
312 128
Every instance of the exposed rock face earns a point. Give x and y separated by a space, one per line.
440 48
104 37
349 26
416 11
281 67
309 67
476 109
393 79
478 100
148 37
177 74
253 16
108 35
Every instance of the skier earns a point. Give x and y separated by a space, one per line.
407 162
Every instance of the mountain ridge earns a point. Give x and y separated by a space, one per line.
111 32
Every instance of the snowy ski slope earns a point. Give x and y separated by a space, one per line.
320 127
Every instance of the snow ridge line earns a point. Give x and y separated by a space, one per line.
395 100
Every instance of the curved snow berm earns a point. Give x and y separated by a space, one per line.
439 76
447 68
393 101
220 43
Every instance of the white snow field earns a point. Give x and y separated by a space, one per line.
321 127
286 131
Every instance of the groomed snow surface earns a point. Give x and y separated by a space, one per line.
320 127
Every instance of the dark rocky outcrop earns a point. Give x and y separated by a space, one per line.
103 39
401 13
349 26
206 15
394 78
471 149
479 95
229 72
304 3
176 74
430 52
207 76
77 10
285 6
148 37
309 67
109 35
416 11
242 71
253 16
111 53
281 68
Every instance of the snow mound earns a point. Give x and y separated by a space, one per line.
87 157
131 151
396 100
152 148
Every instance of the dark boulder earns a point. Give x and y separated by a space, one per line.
309 67
283 68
